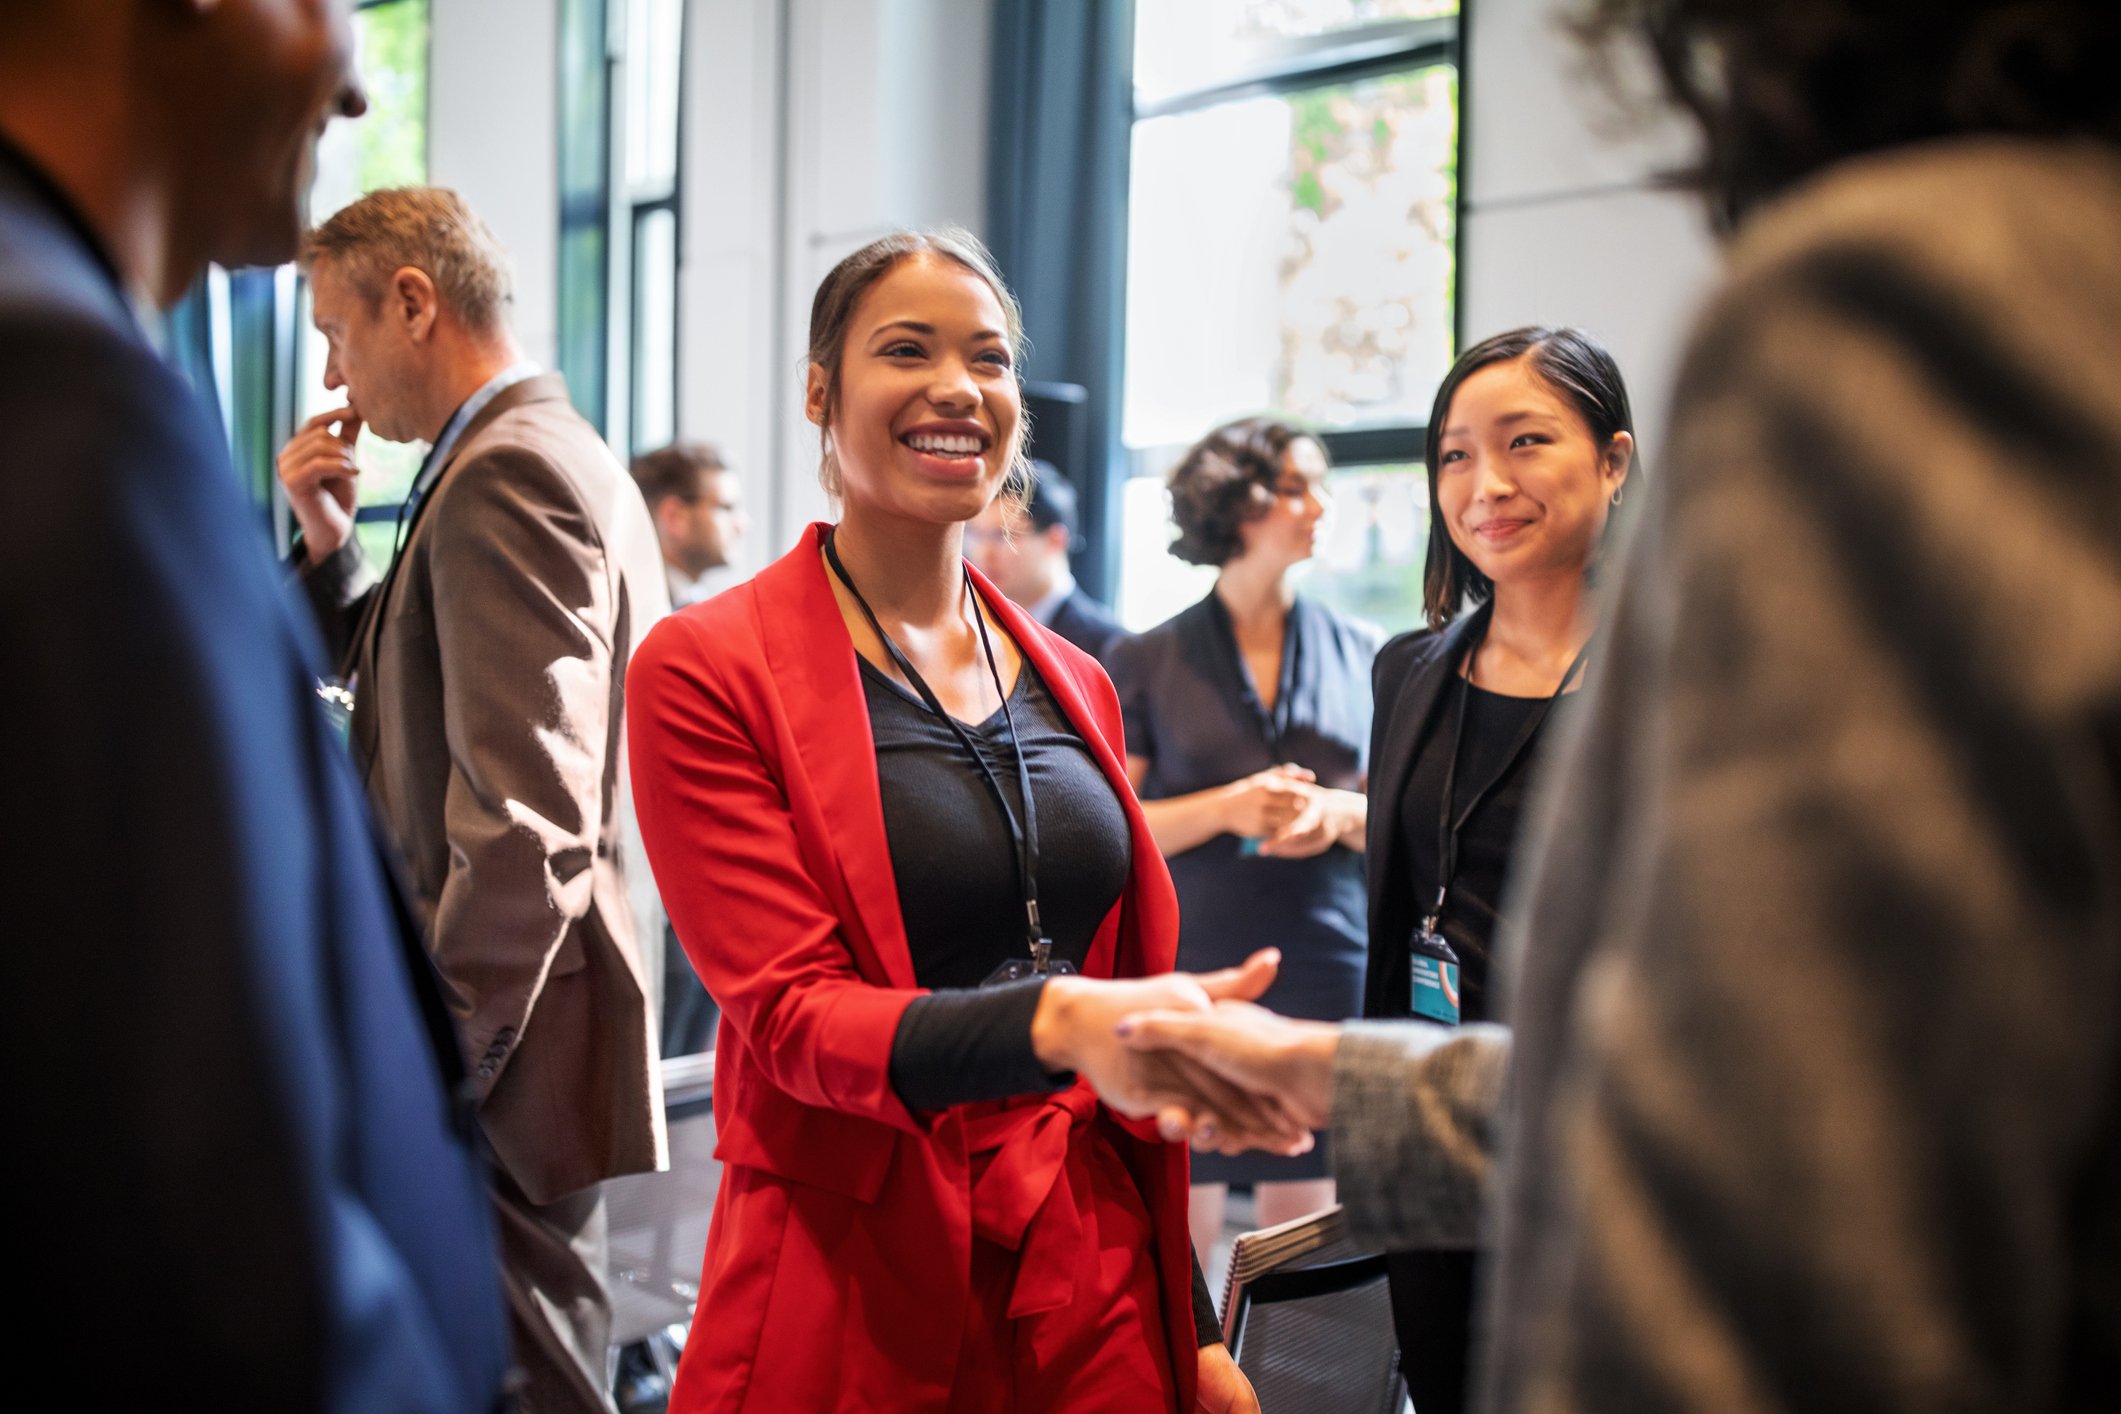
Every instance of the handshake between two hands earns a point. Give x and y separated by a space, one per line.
1196 1053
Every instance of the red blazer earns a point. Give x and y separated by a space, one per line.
838 1262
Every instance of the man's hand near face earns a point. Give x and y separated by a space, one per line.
317 472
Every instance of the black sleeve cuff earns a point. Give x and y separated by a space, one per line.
955 1047
1207 1326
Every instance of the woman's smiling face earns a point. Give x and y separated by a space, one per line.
925 418
1523 485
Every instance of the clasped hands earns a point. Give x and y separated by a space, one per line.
1290 814
1195 1053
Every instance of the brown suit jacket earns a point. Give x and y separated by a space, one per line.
488 670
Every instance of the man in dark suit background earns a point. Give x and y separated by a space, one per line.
1027 558
235 1173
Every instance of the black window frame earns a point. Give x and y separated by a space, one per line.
638 213
583 113
600 356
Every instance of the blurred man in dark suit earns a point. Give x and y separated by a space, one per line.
236 1174
1026 555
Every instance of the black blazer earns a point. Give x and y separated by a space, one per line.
227 1059
1087 624
1407 683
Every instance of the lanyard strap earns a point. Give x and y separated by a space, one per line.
1023 837
1453 821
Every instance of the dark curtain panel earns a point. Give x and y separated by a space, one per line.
1061 110
188 344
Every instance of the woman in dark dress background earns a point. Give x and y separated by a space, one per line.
1248 722
1529 449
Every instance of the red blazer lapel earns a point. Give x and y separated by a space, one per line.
819 682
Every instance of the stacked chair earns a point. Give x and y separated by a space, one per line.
1308 1318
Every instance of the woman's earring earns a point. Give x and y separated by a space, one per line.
1616 496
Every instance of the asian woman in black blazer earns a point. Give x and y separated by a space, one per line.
1530 445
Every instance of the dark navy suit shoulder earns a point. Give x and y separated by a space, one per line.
223 1073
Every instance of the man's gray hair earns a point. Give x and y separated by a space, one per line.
430 229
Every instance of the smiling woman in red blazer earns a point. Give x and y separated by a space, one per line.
872 790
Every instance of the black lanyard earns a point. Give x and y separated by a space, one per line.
1453 822
1023 836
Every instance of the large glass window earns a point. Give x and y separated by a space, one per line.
386 148
621 76
1182 47
1292 249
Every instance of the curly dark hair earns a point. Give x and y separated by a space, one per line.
1574 365
1225 479
1784 89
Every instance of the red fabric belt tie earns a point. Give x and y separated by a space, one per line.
1024 1201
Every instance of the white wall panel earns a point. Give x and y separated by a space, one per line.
887 122
1563 222
1628 266
493 135
1540 120
728 362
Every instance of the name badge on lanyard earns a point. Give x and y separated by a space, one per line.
1023 835
1434 977
1432 963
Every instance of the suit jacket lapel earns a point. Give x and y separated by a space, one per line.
361 657
1420 690
819 679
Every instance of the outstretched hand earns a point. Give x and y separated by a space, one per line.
1077 1027
1270 1059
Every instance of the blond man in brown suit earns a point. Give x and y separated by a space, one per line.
487 665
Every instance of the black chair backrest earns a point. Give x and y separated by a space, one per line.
1308 1318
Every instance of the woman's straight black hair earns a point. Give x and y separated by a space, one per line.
1573 364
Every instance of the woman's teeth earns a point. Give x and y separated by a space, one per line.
945 446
